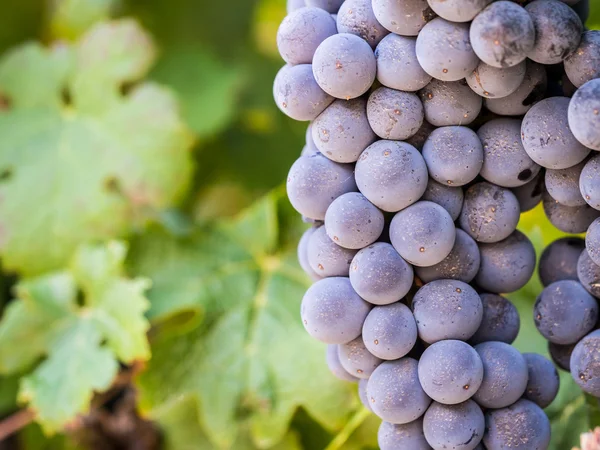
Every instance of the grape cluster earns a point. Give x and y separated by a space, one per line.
433 125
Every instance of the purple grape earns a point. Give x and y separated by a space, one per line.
423 234
461 264
342 131
505 375
390 331
561 355
302 32
570 219
530 194
353 222
448 197
380 275
356 359
490 213
325 257
303 254
592 241
447 309
506 266
394 391
557 31
543 383
585 364
588 273
398 66
403 17
531 91
503 34
589 182
297 94
546 136
335 367
584 114
402 437
559 260
565 312
332 312
357 17
563 185
505 161
458 10
392 175
331 6
344 66
444 50
293 5
450 372
394 115
493 82
454 426
583 64
454 155
500 322
450 103
418 140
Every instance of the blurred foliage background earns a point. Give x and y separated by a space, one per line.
231 366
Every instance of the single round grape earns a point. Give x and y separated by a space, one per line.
561 355
394 115
448 197
522 426
450 103
335 367
459 427
331 6
353 222
447 309
557 31
392 175
493 82
293 5
543 381
461 264
589 182
380 275
458 10
530 194
592 241
362 393
584 117
588 273
418 140
356 359
397 64
332 312
315 181
402 437
394 391
325 257
303 254
559 260
531 91
302 32
546 136
504 375
423 234
505 161
563 185
344 66
506 266
503 34
565 312
570 219
490 213
357 17
583 64
297 94
390 331
454 155
342 131
444 50
403 17
585 364
450 372
500 322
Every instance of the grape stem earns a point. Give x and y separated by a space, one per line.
342 437
15 422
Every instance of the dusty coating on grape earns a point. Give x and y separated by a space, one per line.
410 435
588 273
403 17
543 381
559 260
585 365
303 254
570 219
458 10
492 82
357 17
500 321
394 115
459 427
583 64
563 185
584 114
325 257
390 331
356 359
450 103
398 66
592 241
331 6
448 197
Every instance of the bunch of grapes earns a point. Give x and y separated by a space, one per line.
433 125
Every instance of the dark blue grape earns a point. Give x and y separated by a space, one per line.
588 273
592 241
584 117
585 363
493 82
500 321
570 219
390 332
397 64
450 103
561 355
303 254
402 437
563 185
325 257
448 197
459 427
356 359
584 63
530 194
543 383
559 260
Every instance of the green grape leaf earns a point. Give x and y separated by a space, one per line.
69 330
102 161
69 19
251 363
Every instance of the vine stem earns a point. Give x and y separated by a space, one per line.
15 422
342 437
